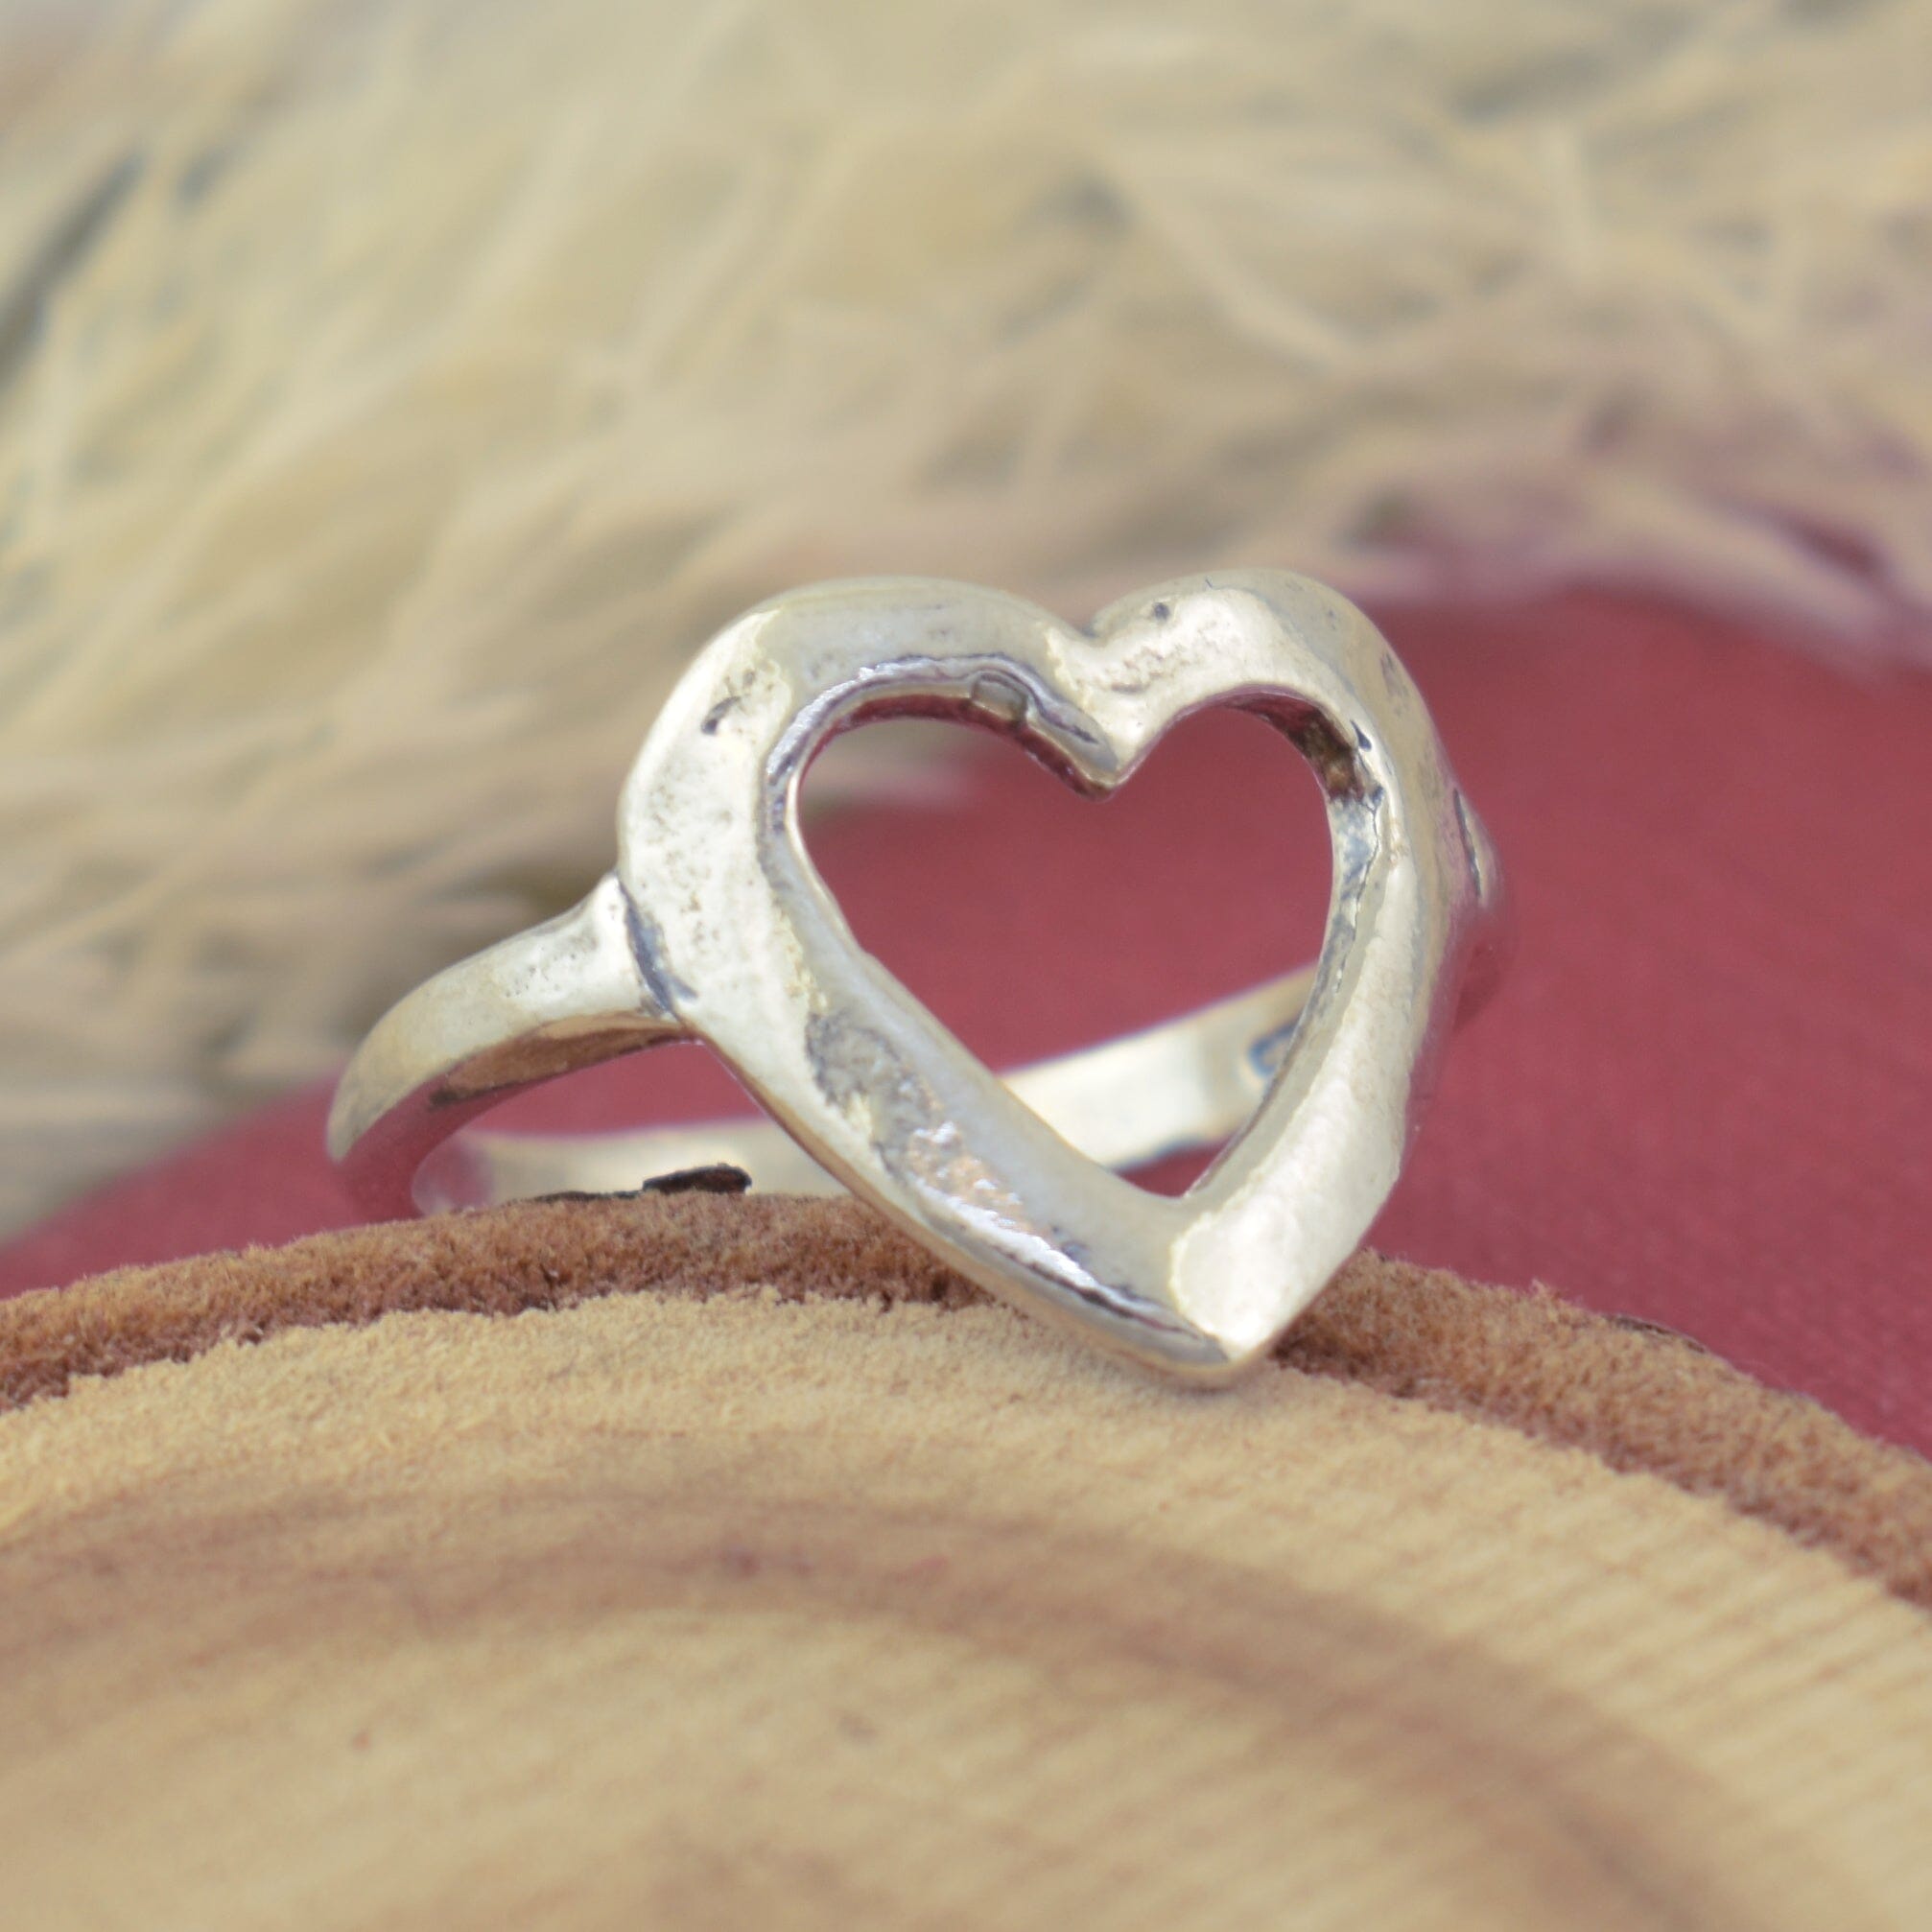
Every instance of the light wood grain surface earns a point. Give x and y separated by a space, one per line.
748 1612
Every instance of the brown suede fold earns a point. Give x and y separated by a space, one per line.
1636 1398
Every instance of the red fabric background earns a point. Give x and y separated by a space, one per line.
1703 1098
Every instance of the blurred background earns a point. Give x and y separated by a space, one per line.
393 393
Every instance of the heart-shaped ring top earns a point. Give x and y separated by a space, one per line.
738 938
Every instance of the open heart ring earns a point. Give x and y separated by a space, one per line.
715 926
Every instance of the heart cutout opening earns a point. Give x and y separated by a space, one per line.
959 861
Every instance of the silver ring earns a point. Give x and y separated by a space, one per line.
715 926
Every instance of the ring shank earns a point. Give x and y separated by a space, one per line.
1187 1083
569 994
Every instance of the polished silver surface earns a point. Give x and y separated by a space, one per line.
715 926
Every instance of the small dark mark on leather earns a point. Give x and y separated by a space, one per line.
721 1177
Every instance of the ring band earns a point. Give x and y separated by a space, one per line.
517 1015
714 927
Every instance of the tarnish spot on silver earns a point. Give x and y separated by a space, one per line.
857 1070
855 1066
646 948
1000 698
1475 846
1267 1053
